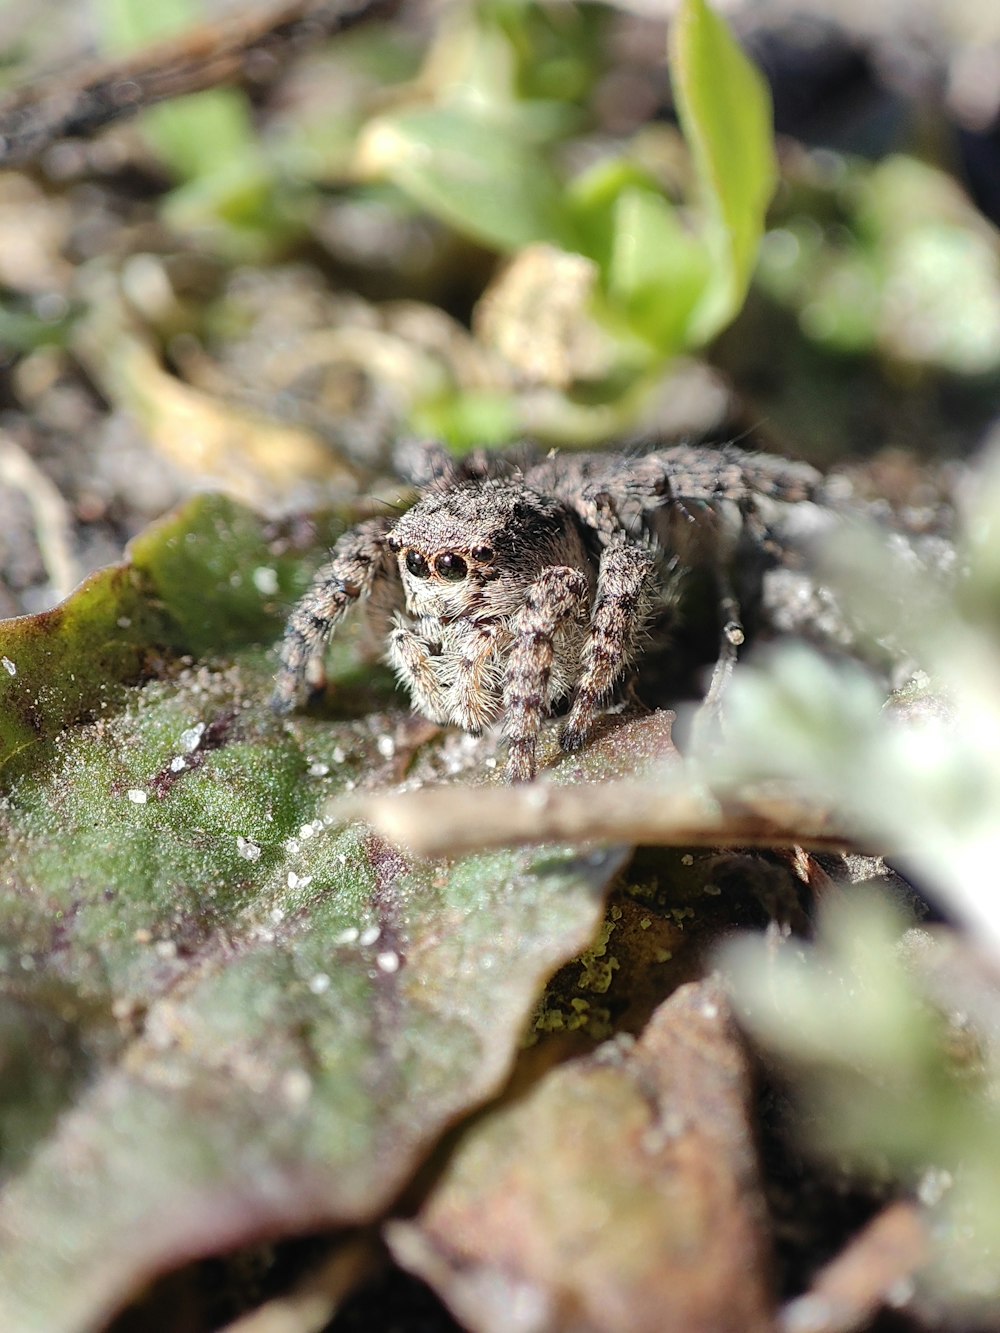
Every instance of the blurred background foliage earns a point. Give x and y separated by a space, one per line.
357 246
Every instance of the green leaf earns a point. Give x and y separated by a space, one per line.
658 269
725 113
472 170
199 581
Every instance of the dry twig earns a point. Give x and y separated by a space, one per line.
253 46
452 820
882 1259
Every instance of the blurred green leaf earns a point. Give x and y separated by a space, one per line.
886 1079
725 113
658 270
889 258
475 171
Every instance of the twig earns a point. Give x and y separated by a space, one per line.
53 527
36 116
878 1262
311 1306
452 820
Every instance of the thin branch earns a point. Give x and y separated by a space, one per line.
53 524
313 1303
877 1266
234 49
452 820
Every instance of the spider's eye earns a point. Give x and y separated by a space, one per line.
417 565
394 544
451 566
484 554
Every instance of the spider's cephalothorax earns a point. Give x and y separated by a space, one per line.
498 597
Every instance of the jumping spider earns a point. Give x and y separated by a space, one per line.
505 591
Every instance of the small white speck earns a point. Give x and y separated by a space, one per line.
386 746
933 1186
537 797
8 666
338 755
318 770
191 737
136 796
298 881
291 846
306 831
491 762
349 785
347 936
166 949
687 859
124 622
296 1087
319 984
265 580
277 915
248 849
901 1293
369 935
177 763
27 962
388 961
710 1009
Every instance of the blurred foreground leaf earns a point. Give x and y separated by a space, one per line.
888 1077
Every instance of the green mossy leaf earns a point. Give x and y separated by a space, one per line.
201 580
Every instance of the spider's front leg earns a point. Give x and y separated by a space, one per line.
557 598
624 587
358 568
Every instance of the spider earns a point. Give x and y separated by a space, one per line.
506 592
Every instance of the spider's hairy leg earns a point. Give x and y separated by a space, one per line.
624 588
359 562
557 597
